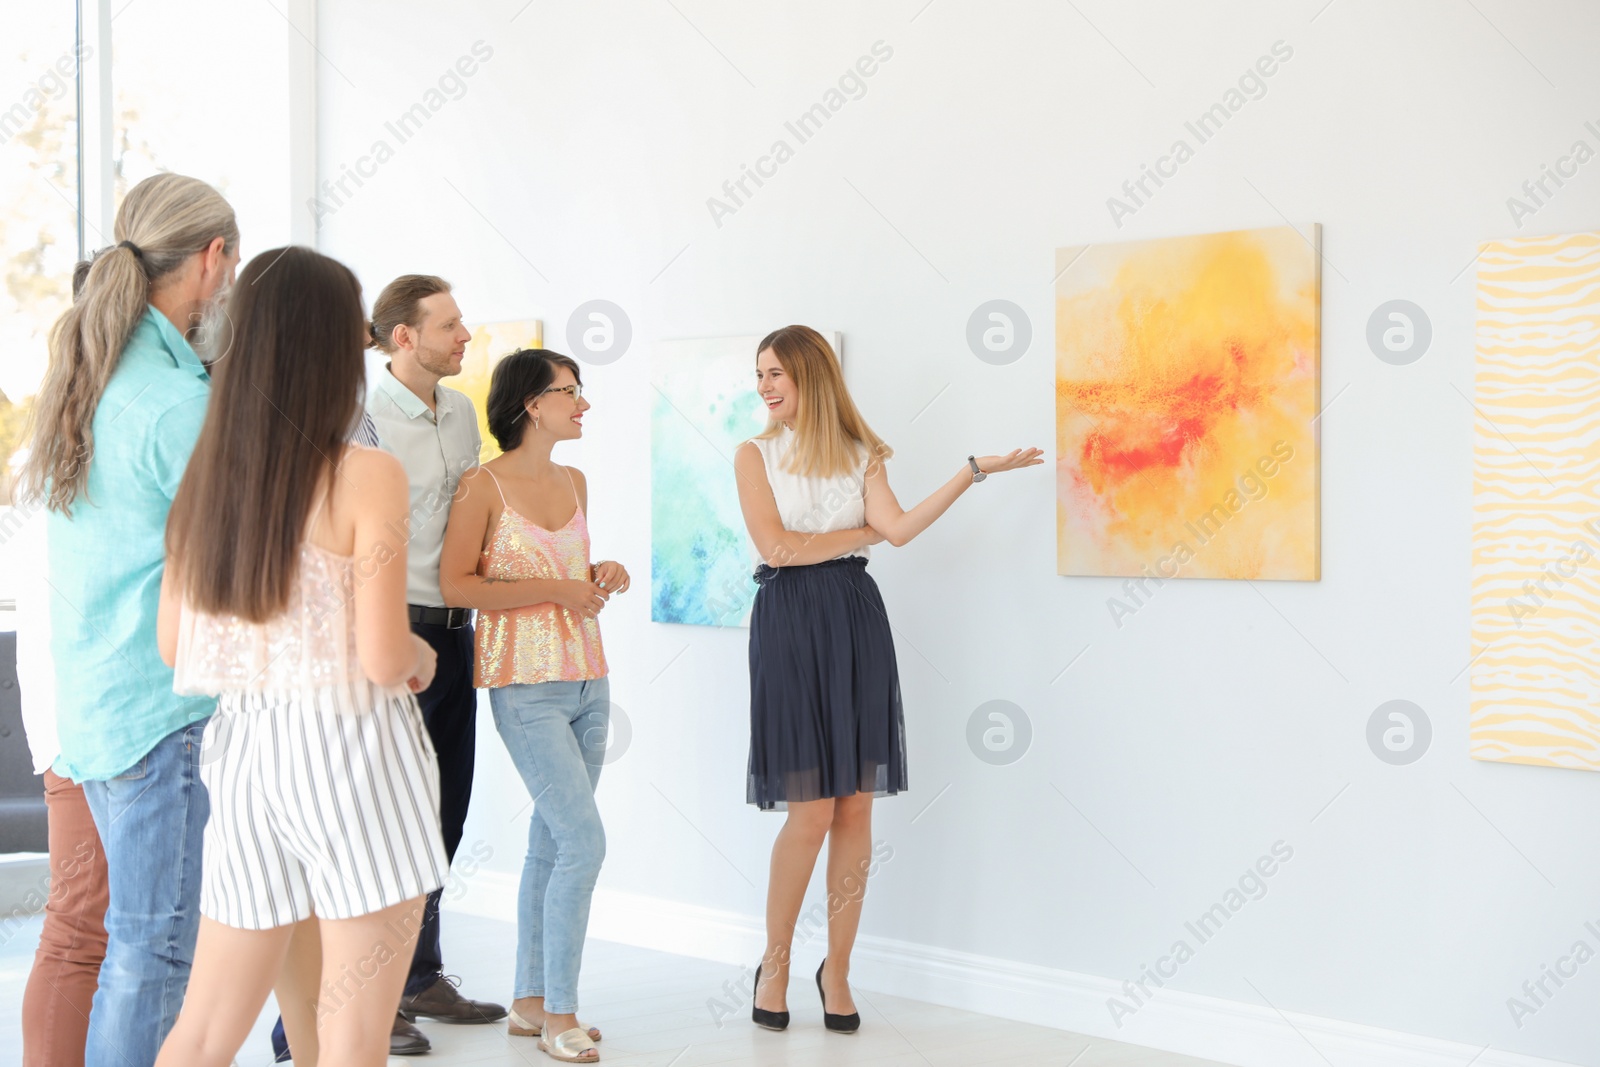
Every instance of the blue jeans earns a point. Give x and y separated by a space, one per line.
556 734
151 820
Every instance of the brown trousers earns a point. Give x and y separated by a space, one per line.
66 968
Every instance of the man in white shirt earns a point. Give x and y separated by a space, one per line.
434 433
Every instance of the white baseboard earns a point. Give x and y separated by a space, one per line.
1227 1031
24 884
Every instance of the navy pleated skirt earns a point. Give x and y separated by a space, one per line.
825 715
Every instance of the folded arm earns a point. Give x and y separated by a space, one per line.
780 547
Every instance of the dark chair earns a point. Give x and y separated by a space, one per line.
22 818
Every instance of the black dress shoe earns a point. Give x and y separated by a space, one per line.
407 1040
772 1020
839 1024
404 1040
443 1002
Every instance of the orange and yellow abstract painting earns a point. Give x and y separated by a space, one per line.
1187 373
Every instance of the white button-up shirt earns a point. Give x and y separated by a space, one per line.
436 448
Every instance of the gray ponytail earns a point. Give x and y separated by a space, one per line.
162 222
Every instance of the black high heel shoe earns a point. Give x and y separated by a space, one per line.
772 1020
839 1024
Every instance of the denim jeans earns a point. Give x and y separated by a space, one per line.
556 734
151 820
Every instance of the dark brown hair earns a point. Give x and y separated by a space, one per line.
518 378
400 304
283 401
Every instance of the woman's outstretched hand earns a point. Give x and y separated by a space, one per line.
1015 460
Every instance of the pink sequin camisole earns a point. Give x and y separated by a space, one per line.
538 642
306 653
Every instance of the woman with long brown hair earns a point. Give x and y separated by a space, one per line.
284 594
827 733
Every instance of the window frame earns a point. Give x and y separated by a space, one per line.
97 116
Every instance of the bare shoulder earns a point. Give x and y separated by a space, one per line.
477 478
577 477
371 474
748 456
371 462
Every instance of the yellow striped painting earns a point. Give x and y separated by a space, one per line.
1536 504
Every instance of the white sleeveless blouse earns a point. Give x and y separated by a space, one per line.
810 504
307 653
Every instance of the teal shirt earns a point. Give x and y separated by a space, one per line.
114 698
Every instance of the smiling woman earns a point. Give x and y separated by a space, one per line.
827 730
517 549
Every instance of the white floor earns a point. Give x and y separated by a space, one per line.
661 1010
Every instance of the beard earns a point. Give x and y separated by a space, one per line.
437 361
211 332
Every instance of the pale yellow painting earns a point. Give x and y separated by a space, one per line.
490 342
1187 374
1535 518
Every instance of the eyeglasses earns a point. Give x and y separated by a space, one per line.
575 391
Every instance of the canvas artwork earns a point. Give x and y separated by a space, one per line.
1535 520
1187 375
491 341
703 408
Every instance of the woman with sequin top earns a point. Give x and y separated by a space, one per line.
517 550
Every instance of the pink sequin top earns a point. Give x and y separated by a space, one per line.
306 653
539 642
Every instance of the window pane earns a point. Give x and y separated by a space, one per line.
38 218
202 89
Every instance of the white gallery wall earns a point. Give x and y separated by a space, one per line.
571 156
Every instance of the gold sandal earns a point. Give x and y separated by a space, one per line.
569 1047
517 1026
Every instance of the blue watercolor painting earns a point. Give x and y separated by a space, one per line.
704 407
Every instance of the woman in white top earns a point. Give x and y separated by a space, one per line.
826 728
284 592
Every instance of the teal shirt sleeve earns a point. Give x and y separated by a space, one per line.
172 440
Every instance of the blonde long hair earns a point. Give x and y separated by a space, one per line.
166 219
831 437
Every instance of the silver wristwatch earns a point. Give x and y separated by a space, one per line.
977 475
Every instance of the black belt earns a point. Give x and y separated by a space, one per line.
449 618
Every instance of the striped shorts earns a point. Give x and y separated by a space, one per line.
319 811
